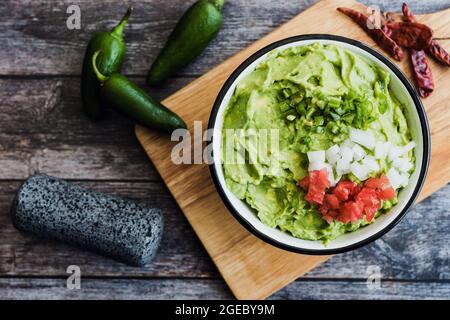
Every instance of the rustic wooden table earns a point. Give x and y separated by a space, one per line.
42 129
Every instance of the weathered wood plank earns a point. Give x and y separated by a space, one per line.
143 289
358 290
149 289
417 248
408 252
180 254
252 268
36 40
43 128
77 156
53 105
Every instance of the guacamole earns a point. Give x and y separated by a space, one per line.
311 97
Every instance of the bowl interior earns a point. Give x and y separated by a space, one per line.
348 239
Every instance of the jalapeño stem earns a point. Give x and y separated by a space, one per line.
118 29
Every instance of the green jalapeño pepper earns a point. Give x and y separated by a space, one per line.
196 28
113 48
124 95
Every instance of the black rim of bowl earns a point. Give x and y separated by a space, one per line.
423 122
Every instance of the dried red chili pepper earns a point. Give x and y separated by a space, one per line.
439 53
409 34
422 71
407 13
388 17
377 35
435 49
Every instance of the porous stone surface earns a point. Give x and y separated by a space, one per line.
125 230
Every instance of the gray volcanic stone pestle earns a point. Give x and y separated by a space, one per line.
124 230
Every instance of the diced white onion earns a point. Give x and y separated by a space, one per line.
406 167
316 166
372 163
394 153
343 166
330 173
316 156
404 179
333 158
364 138
395 178
331 178
405 149
342 172
402 164
360 171
347 143
350 157
382 149
337 178
346 154
333 149
332 154
358 152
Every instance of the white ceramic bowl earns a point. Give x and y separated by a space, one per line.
417 122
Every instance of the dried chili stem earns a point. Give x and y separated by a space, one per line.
378 35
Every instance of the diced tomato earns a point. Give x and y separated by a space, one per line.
315 196
373 183
384 181
344 189
330 216
333 213
323 209
320 178
386 194
356 211
341 193
368 197
383 187
332 201
348 201
355 190
351 211
378 183
370 212
318 183
304 183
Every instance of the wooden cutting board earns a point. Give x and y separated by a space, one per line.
252 268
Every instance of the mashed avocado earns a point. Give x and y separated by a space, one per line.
311 95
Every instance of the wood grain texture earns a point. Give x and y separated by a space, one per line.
35 32
208 289
25 255
40 109
413 256
252 268
43 129
53 105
